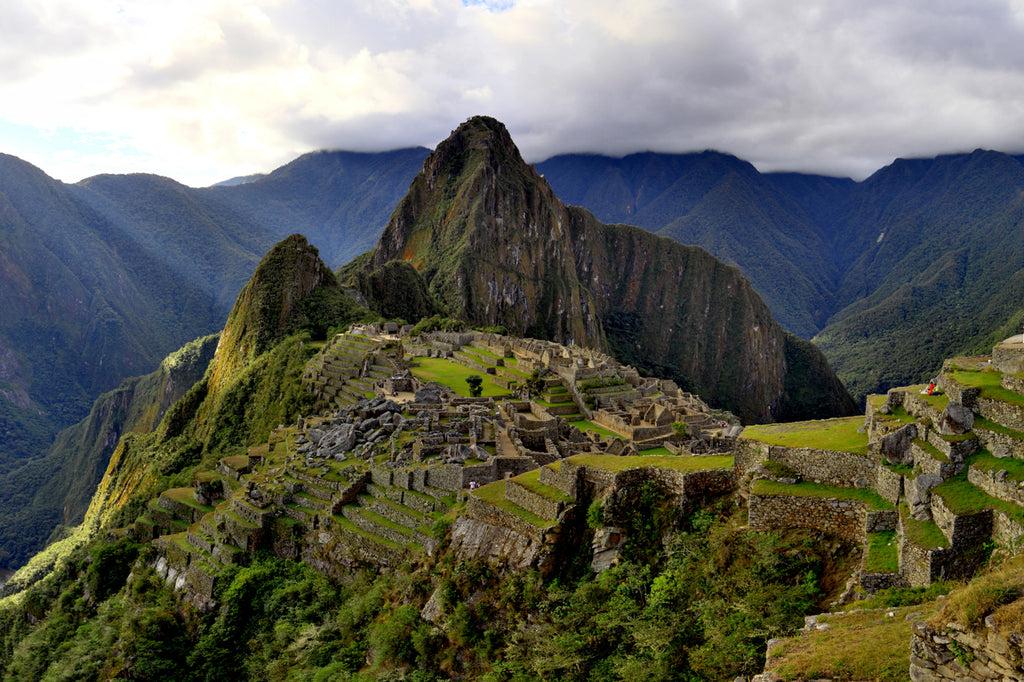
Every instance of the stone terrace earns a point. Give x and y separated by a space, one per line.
943 472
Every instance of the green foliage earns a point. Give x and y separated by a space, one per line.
680 429
595 514
437 323
475 385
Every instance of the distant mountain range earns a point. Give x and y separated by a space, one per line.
100 280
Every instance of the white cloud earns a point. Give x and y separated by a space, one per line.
205 89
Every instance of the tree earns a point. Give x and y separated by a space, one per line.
680 430
475 385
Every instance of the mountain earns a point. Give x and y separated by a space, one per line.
495 246
100 280
339 200
936 267
721 203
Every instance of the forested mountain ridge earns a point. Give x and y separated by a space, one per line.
493 245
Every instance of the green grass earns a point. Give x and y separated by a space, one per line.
454 376
989 425
806 489
987 381
963 498
825 434
494 494
859 645
922 533
585 425
675 462
932 451
881 554
658 452
986 461
531 481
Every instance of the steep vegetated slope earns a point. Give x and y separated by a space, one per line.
936 252
47 495
718 202
84 305
919 262
495 246
339 200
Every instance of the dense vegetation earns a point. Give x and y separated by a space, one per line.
697 600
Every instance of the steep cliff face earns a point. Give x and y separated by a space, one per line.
491 239
494 245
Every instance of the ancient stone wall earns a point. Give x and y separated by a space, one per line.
1008 359
477 509
962 530
560 480
957 392
1012 382
880 520
951 653
997 484
828 467
843 518
532 502
1007 531
1000 444
1010 416
889 484
915 562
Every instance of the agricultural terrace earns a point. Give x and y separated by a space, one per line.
826 434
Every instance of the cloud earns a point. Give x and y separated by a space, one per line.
206 89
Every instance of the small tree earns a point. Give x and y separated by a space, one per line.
534 384
476 385
680 430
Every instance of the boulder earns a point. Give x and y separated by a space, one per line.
955 420
895 446
919 495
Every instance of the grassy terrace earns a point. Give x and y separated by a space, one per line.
931 450
963 498
839 652
585 425
454 376
825 434
531 481
806 489
881 554
989 425
987 381
986 461
675 462
922 533
494 494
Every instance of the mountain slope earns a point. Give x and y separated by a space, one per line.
718 202
936 252
494 245
339 200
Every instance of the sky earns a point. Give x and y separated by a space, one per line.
205 90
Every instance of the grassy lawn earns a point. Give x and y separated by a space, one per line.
659 452
584 425
860 645
988 382
806 489
922 533
454 376
675 462
494 494
824 434
963 498
881 553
